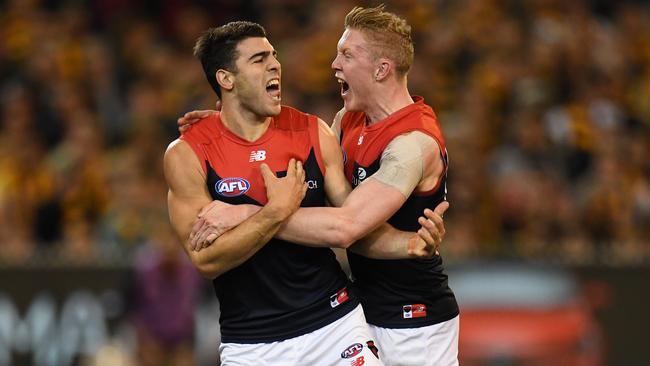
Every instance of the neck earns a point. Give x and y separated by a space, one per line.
243 122
389 97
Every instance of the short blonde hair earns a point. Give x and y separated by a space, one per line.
389 34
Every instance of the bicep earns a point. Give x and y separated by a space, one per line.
187 191
378 198
402 164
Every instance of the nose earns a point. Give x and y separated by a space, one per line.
336 64
274 65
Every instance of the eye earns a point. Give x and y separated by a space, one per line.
257 61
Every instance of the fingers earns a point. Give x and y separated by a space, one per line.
202 238
209 239
197 229
437 220
192 117
292 168
300 171
441 208
431 227
267 174
206 236
430 240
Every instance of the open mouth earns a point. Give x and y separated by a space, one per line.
344 86
273 88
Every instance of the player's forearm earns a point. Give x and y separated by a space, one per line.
385 242
324 227
237 245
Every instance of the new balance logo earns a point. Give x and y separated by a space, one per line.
259 155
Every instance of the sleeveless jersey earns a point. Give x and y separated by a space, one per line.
405 293
284 290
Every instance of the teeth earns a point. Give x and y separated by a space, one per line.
341 81
273 83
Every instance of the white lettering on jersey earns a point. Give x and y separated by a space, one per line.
259 155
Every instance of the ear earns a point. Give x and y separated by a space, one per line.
225 79
383 69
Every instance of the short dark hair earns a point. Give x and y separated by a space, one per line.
217 48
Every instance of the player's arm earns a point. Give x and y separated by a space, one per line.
385 243
190 118
362 210
188 194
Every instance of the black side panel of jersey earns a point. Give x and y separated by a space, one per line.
284 290
362 172
386 286
212 180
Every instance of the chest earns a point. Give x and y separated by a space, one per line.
233 170
362 149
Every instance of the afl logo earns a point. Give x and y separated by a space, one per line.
352 351
232 187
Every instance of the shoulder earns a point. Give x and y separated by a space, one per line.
200 131
415 138
184 174
177 148
180 158
404 146
336 124
178 151
324 130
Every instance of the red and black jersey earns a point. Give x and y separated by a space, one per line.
398 293
284 290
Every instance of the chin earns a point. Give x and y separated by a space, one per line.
275 110
351 106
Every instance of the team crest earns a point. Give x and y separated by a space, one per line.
414 311
231 187
352 350
339 298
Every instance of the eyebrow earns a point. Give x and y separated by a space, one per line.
263 54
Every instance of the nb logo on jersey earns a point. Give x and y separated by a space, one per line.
232 187
259 155
360 141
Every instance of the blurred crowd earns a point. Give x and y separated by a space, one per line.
545 106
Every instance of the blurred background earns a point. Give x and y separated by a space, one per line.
545 105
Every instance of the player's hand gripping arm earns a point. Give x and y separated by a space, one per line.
188 194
